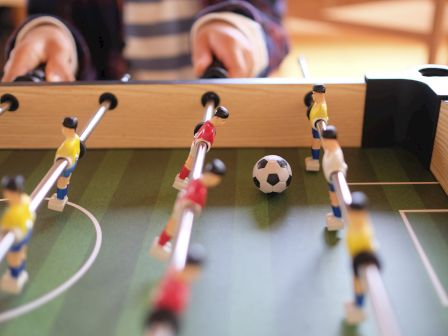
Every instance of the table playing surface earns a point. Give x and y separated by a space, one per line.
272 269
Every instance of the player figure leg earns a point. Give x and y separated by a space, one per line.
161 246
312 162
16 276
58 200
334 218
181 179
354 311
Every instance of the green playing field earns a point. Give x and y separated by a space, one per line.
272 269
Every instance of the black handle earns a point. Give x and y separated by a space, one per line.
215 70
37 75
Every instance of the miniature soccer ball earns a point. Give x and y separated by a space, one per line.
272 174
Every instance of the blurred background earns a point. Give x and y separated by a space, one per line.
341 38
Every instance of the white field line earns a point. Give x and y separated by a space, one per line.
44 299
391 183
438 287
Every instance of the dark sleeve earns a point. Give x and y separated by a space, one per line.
268 13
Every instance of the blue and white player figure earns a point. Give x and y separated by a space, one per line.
333 162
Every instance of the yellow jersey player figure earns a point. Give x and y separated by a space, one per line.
333 162
318 111
361 247
19 219
70 150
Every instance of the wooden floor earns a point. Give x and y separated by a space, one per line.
340 52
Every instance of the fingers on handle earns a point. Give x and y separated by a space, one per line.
21 61
58 69
202 56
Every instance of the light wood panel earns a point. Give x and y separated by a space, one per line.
164 115
439 162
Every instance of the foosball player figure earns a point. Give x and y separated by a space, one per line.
19 219
333 162
69 150
361 247
206 133
318 111
194 196
173 294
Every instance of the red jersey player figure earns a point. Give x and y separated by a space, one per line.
205 134
194 196
333 162
172 296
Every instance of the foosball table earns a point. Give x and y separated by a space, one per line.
274 264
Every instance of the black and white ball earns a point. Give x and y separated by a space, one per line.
272 174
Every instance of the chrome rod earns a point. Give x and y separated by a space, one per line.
180 250
380 302
104 107
373 280
209 110
304 67
183 234
6 242
4 107
47 182
342 192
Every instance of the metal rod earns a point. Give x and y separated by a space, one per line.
373 280
4 107
380 302
180 250
6 242
50 178
95 120
338 179
304 67
342 192
209 110
47 182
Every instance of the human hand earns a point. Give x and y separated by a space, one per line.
45 44
228 44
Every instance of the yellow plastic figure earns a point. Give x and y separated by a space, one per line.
318 112
361 247
18 219
70 150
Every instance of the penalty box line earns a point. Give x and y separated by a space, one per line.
436 283
391 183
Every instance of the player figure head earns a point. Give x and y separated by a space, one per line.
194 263
357 210
69 125
319 93
330 138
213 173
220 116
13 188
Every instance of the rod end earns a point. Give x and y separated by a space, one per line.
210 95
107 96
12 100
